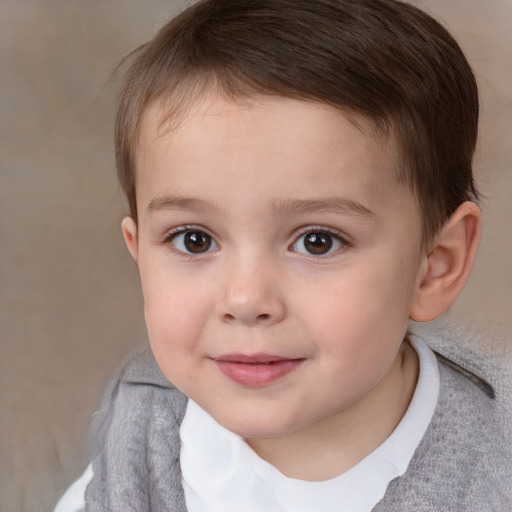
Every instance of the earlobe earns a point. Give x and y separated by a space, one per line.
448 264
129 228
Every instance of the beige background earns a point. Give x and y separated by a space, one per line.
70 304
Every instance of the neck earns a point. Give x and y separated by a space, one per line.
331 447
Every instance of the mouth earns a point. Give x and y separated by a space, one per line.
256 370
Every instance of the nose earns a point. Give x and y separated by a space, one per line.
251 295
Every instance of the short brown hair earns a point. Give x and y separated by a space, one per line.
383 59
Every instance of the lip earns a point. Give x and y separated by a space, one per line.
256 370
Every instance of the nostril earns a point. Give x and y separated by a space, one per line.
264 317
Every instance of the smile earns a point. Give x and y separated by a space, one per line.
257 370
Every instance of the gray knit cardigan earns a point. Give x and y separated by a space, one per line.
463 463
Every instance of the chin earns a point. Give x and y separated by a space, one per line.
264 425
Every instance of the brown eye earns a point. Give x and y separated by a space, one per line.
318 243
193 242
196 241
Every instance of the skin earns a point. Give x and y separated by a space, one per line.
256 177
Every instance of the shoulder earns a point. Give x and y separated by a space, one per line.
466 453
463 462
477 395
136 441
138 399
484 355
136 432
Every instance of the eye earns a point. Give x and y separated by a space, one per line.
318 243
193 242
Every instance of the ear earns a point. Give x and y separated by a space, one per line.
448 264
130 233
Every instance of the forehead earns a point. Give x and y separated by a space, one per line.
211 108
269 146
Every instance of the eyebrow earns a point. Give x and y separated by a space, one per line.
179 203
329 205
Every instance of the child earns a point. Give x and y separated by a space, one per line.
299 177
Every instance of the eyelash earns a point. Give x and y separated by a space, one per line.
181 230
172 233
336 235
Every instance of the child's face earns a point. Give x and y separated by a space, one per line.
278 256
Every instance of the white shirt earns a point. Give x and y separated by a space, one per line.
73 499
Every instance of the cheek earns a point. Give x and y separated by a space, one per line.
176 311
361 314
